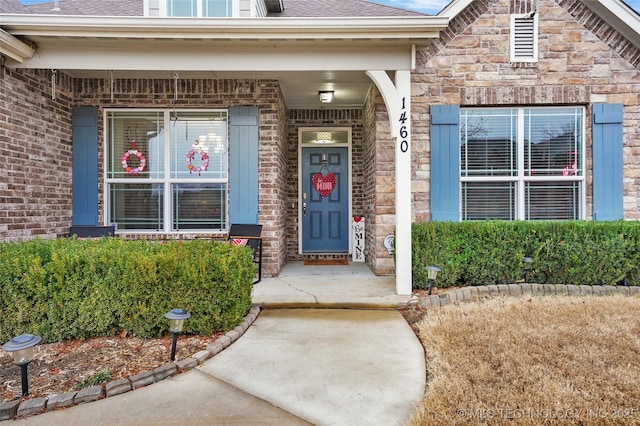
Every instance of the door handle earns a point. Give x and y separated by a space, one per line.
304 209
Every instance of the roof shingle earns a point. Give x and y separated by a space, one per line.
339 9
90 7
292 8
12 6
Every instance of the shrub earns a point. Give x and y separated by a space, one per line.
491 252
69 288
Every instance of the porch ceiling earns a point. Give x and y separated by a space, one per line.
305 55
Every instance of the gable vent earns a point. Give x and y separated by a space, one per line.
524 38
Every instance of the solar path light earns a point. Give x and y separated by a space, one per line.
176 322
432 274
21 348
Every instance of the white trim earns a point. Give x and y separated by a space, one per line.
620 16
349 146
519 210
418 29
148 59
454 8
14 48
397 98
199 8
413 57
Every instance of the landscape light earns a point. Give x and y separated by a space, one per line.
176 322
21 348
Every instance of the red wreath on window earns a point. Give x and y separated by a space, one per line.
203 155
142 162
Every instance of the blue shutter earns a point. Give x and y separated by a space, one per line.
243 166
445 162
607 162
84 124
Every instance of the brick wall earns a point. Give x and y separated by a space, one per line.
369 176
469 65
35 147
321 118
273 177
204 93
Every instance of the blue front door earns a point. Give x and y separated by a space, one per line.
325 221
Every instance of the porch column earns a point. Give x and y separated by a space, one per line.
397 98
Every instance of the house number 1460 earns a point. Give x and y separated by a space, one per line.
404 133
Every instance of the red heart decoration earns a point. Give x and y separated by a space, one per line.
324 184
357 219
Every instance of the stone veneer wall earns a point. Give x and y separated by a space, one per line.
36 153
582 61
379 173
322 118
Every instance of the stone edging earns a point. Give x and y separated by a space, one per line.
12 409
475 292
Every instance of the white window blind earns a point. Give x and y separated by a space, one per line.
522 163
524 38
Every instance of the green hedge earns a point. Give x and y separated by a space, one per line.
564 252
69 288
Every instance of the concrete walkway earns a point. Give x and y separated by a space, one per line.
353 286
292 366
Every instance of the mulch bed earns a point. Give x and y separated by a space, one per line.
60 367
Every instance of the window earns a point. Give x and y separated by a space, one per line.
523 44
522 163
166 171
200 8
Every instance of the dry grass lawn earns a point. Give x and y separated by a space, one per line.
535 360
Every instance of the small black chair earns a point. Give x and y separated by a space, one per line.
253 236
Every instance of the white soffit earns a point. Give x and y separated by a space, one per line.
242 44
205 55
305 55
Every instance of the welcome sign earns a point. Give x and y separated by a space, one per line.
358 239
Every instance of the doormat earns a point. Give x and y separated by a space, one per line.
326 262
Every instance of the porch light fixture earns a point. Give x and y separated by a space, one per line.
324 138
326 96
176 319
527 263
21 349
432 274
